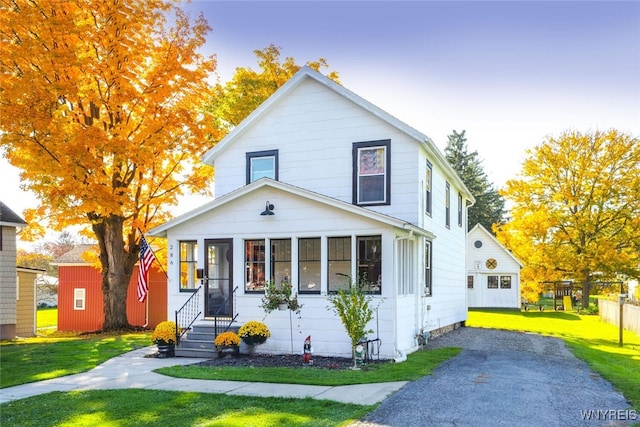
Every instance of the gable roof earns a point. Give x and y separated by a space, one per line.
481 228
306 73
9 217
74 256
161 230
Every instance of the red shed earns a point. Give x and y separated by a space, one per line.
80 302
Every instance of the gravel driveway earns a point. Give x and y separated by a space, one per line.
505 378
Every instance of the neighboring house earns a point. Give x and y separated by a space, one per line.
315 187
493 273
26 300
80 301
9 223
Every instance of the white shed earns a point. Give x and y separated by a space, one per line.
493 273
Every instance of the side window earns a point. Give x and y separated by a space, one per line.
79 298
309 265
428 273
459 210
428 182
262 164
188 265
255 265
371 173
339 259
447 205
469 282
370 263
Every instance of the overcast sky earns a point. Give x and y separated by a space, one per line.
507 72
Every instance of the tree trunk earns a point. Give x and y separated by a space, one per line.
117 263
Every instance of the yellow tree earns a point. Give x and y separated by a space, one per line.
101 110
235 100
576 208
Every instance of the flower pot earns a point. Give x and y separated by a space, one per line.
254 340
223 350
166 349
282 306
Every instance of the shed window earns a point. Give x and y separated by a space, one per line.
492 282
79 298
505 282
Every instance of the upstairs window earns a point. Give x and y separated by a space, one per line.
459 210
371 173
428 182
261 164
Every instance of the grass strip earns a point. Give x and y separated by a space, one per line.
169 409
418 364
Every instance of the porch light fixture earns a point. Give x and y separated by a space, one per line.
268 209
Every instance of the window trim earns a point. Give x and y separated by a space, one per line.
261 154
357 147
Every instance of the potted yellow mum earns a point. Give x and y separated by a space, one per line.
164 337
254 333
227 343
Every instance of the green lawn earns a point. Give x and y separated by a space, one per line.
47 318
587 337
35 359
119 408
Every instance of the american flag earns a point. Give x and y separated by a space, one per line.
146 259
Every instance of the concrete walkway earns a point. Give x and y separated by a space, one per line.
134 370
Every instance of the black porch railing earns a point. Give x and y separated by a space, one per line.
187 314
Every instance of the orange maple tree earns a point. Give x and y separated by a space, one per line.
101 110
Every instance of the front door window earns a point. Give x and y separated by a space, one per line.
218 283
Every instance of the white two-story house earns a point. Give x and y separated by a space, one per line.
318 187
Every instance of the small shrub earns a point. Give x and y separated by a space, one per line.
226 339
254 332
165 333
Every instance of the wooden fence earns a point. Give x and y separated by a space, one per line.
610 313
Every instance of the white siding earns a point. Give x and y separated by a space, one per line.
314 129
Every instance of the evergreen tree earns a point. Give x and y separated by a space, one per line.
489 206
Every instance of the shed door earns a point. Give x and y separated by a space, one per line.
219 277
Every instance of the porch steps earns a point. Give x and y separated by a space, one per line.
198 342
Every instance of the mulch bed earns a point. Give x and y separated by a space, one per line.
279 360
